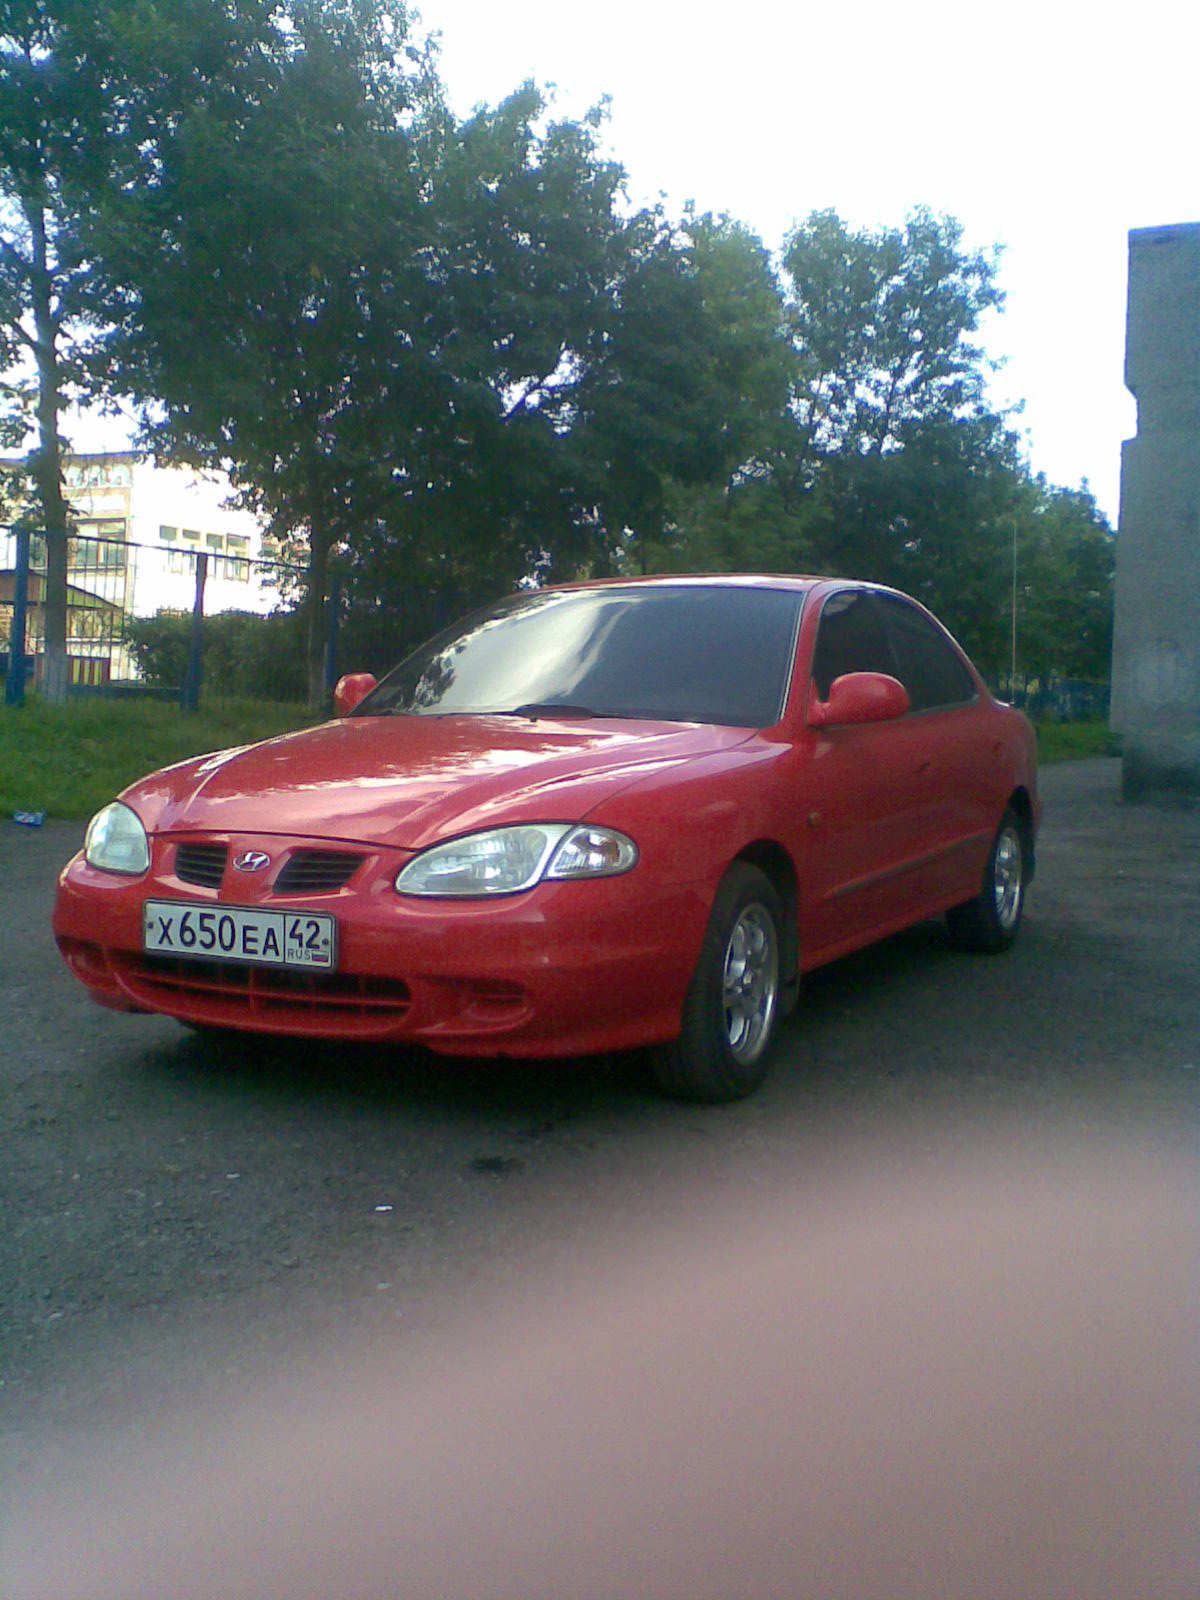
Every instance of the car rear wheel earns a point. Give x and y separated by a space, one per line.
732 1009
992 920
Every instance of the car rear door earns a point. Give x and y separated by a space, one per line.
960 803
863 792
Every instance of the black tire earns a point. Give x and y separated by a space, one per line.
992 920
723 1052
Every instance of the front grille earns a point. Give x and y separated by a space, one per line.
201 863
316 872
270 998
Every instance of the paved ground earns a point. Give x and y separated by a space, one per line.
171 1216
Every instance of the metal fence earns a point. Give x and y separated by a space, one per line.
111 583
1060 699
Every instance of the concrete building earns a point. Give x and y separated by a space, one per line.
174 512
1156 641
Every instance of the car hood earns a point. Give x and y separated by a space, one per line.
406 782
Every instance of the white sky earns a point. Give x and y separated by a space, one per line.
1051 128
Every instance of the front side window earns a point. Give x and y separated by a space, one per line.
850 638
928 665
672 653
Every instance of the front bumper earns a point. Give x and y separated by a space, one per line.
563 969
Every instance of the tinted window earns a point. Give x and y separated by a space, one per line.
929 667
694 653
849 639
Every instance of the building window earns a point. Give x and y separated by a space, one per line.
100 547
190 533
111 551
168 535
214 541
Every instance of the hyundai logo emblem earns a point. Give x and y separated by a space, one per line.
251 861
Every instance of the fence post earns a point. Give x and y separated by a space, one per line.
189 698
14 684
331 634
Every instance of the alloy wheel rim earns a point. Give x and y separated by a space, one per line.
1007 878
750 983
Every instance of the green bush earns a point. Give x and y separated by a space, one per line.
244 654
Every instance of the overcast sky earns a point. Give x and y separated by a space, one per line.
1051 128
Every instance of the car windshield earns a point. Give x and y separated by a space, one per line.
672 653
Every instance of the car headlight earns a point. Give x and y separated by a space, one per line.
506 860
116 841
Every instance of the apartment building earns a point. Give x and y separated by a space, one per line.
138 529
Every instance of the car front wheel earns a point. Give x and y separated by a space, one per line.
732 1007
990 922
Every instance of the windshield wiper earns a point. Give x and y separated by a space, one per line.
547 708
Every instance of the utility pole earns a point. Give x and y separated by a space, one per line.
189 698
14 684
1012 671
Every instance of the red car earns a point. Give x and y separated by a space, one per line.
629 813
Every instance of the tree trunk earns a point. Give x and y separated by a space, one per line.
318 588
47 468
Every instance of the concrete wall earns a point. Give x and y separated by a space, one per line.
1156 642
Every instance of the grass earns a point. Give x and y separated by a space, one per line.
69 761
1075 741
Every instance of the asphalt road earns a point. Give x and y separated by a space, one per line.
173 1216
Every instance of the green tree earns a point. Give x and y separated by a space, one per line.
686 383
436 352
254 261
1066 558
78 82
51 152
521 244
885 461
884 323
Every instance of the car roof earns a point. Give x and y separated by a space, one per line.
733 580
798 582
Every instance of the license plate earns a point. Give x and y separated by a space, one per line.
238 933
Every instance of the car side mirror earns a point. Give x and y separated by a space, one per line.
351 689
858 697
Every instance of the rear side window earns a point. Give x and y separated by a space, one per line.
850 638
927 664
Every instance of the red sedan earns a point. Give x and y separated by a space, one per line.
630 813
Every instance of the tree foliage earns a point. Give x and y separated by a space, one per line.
442 355
883 326
891 465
